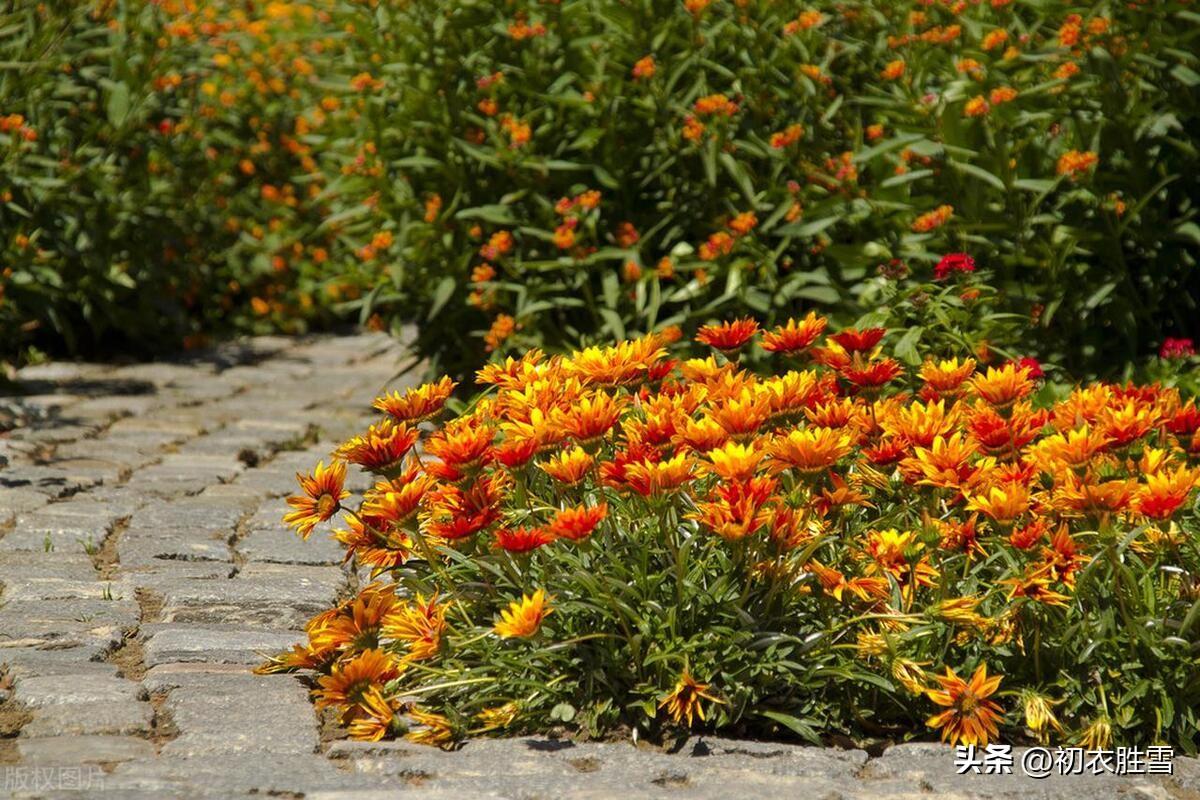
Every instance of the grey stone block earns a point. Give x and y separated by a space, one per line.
100 749
190 643
117 718
65 689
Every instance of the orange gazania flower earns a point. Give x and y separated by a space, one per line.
946 376
933 219
858 341
416 405
577 523
659 477
419 624
945 463
969 717
523 539
870 374
347 683
795 335
733 461
1004 386
1076 162
684 702
323 496
1165 491
523 617
590 417
1003 504
728 337
381 447
808 450
569 466
454 513
462 444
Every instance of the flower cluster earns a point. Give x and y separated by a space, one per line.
624 537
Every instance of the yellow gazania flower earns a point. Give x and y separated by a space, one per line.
1003 387
1098 735
419 624
323 496
1003 504
378 719
381 447
684 701
921 423
947 376
497 717
649 478
1071 449
734 462
911 676
418 404
523 617
1039 713
969 717
808 450
961 611
945 464
569 466
434 729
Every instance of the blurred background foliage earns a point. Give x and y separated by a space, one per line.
516 174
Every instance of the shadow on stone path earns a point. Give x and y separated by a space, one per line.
145 570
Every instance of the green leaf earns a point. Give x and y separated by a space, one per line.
117 105
906 348
797 726
442 294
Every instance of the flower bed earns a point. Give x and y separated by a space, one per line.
619 540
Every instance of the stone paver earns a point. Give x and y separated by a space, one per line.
144 571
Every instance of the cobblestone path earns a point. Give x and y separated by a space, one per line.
144 571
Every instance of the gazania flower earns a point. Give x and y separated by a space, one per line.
969 717
381 447
416 405
419 624
348 683
569 466
733 461
1003 387
742 416
947 376
429 728
377 720
808 450
1166 491
523 540
859 341
578 522
656 478
871 374
1039 713
945 464
1035 586
322 498
685 701
701 435
523 617
1003 504
728 337
462 444
795 335
590 417
453 513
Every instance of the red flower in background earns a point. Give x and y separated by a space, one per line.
1173 347
951 263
